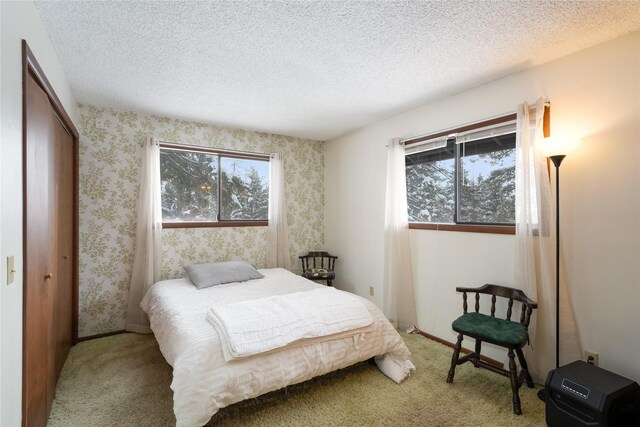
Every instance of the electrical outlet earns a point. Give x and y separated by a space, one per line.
591 357
371 290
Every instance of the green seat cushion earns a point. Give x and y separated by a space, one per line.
319 274
487 328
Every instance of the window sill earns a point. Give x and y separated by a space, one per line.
214 224
467 228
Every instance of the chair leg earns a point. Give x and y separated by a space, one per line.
513 375
477 352
329 282
454 359
523 364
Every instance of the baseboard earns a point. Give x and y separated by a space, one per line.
489 360
106 334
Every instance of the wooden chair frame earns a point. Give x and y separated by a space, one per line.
319 259
528 305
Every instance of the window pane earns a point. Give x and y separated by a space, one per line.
188 182
430 185
487 180
244 189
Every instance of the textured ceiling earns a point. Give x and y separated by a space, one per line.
311 69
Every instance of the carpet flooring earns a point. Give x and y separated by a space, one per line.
123 380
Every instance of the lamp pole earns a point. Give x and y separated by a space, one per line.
557 159
556 152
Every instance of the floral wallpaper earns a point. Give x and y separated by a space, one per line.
110 157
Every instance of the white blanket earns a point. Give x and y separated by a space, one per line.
203 381
257 326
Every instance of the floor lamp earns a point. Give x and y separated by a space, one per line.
556 151
557 159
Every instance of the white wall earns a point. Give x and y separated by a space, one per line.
19 20
595 94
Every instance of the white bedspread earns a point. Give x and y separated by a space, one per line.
251 327
203 381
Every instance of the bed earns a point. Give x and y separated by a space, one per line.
203 381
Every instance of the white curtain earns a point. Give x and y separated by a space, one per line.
399 300
535 265
278 233
148 245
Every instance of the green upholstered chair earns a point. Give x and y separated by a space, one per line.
319 266
502 332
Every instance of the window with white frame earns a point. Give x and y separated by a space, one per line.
465 177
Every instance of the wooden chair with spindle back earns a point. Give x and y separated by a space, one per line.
502 332
319 266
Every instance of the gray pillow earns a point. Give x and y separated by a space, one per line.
217 273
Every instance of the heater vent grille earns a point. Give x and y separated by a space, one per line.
578 411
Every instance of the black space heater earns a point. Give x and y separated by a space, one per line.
580 394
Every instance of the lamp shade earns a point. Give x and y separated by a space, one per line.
559 146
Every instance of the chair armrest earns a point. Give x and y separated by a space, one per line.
526 299
512 294
501 291
480 289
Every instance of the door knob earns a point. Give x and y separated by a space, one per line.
48 275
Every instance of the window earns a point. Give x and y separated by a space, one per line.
465 178
202 187
431 184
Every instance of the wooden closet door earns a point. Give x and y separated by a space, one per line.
62 298
50 317
40 275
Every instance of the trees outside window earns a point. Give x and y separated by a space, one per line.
468 183
244 189
189 185
203 187
430 185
